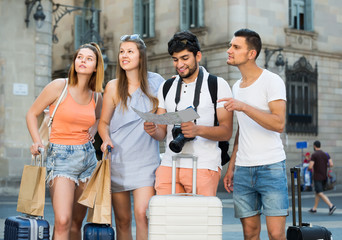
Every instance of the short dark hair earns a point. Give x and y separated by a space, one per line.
317 144
253 39
184 40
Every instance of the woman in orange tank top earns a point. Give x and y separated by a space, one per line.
71 156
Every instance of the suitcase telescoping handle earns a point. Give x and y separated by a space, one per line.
194 171
297 171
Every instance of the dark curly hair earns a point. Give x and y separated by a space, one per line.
184 40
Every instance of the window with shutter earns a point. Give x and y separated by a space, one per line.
191 15
144 16
87 25
301 14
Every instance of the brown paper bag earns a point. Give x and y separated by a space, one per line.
102 210
88 195
31 199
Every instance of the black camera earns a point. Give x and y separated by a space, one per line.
179 140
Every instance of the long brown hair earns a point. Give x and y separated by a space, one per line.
122 87
96 79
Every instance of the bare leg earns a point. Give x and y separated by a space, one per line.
325 199
62 197
251 227
123 215
276 227
141 198
78 214
317 198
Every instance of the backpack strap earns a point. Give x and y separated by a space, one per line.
212 85
223 145
167 86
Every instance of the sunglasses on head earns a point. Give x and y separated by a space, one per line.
188 42
124 38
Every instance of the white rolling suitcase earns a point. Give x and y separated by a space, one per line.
184 216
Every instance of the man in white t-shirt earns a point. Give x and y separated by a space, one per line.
257 171
201 135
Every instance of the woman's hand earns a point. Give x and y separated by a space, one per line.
150 128
91 137
105 144
35 148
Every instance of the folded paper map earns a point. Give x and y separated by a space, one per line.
169 118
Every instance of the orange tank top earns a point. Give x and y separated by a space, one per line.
72 121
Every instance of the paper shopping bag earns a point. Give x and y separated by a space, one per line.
31 199
88 195
101 212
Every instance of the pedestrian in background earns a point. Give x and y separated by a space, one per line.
135 155
319 163
71 156
201 136
257 171
307 174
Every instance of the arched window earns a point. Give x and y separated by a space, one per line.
301 88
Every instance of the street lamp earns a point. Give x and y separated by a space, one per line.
280 58
39 15
58 12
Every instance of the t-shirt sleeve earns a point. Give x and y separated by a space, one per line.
276 89
155 80
223 91
161 97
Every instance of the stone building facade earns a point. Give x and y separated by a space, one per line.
308 32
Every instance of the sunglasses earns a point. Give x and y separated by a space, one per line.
132 37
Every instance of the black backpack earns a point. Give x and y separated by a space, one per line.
212 85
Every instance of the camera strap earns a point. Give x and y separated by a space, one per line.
197 90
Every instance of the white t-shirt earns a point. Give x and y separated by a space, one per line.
257 145
207 151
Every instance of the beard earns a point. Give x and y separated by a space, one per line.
190 73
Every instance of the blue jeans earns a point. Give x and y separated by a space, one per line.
261 187
75 162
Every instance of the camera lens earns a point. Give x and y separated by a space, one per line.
177 144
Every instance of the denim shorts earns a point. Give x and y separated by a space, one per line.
75 162
261 189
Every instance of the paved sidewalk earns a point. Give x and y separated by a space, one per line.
231 226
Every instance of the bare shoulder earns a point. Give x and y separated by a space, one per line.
55 87
111 85
57 84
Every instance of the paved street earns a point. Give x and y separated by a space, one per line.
231 227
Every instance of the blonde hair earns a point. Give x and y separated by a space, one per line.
122 87
96 79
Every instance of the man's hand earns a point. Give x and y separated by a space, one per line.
189 129
232 104
150 128
228 181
